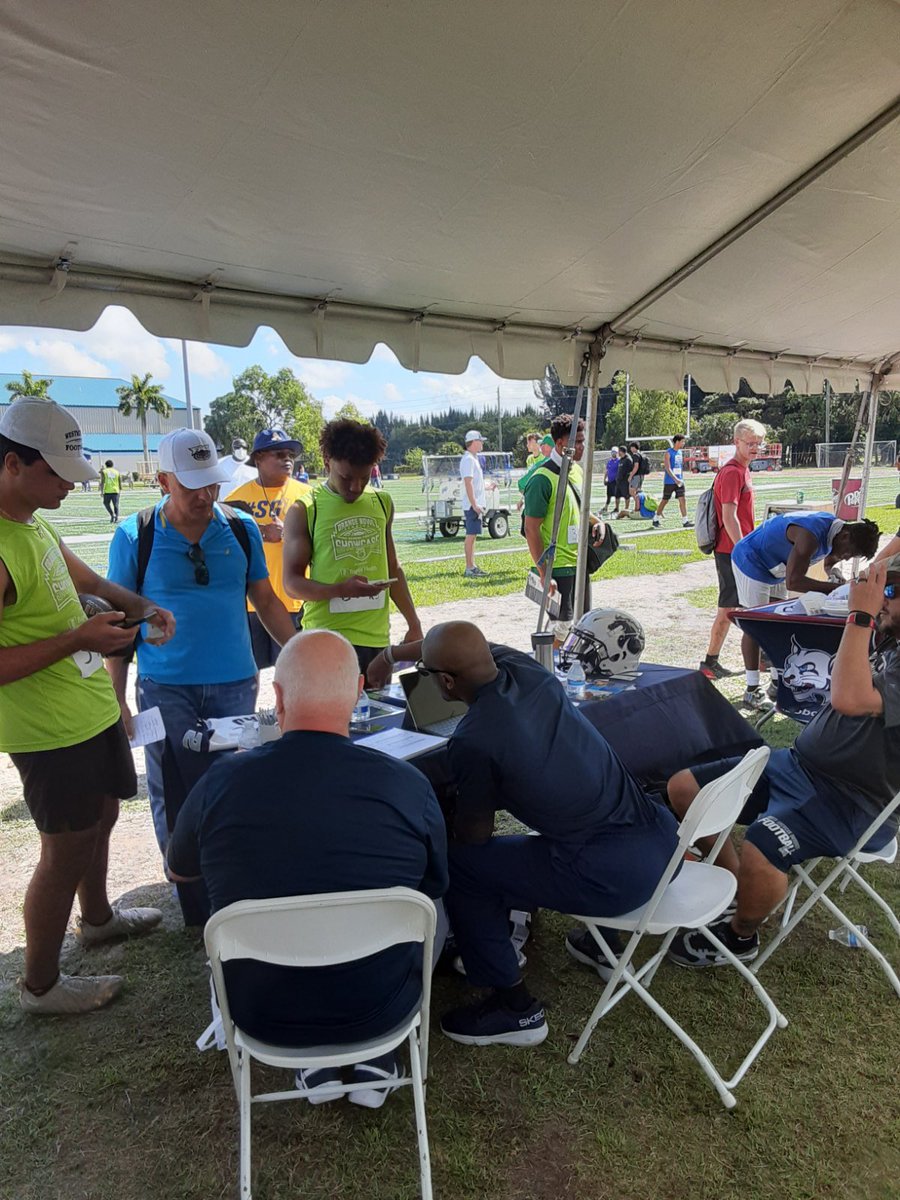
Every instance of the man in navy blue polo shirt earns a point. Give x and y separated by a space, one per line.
307 814
602 844
199 570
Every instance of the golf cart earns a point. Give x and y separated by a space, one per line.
443 490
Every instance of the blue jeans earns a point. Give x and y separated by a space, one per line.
612 874
171 770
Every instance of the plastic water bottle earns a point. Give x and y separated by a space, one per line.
575 681
362 713
848 937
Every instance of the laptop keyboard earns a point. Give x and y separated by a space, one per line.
443 728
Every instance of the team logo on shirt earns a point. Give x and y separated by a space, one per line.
808 674
357 538
56 574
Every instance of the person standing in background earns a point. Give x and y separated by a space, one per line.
267 499
110 489
612 470
474 499
673 481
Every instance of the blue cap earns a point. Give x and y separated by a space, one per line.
275 439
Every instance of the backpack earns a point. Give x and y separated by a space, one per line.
146 531
644 467
706 523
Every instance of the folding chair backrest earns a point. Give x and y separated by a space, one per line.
316 931
718 804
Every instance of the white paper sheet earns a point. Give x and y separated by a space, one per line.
148 727
401 743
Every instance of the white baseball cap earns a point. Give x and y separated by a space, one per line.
473 436
43 425
190 455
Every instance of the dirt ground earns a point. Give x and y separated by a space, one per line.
676 633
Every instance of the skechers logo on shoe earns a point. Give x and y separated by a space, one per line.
535 1019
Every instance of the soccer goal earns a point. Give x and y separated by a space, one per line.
834 454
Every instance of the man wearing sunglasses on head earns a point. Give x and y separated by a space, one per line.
204 564
817 799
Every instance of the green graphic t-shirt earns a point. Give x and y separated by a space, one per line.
540 501
57 706
349 539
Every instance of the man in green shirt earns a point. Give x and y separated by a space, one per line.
339 556
110 487
59 717
540 502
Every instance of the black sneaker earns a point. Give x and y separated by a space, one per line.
772 690
584 949
320 1085
691 948
490 1021
715 670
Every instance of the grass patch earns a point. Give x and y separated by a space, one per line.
706 598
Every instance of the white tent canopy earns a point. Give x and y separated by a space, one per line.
464 178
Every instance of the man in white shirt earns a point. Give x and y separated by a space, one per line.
474 500
238 466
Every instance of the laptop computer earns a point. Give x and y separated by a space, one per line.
426 709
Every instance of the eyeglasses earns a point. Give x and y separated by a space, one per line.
890 591
423 670
198 559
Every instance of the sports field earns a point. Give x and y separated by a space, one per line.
434 568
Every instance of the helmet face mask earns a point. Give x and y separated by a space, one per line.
606 641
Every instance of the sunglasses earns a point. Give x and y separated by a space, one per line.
198 560
423 670
890 591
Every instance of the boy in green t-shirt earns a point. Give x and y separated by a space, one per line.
339 556
59 718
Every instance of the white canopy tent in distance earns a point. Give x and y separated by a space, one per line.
664 189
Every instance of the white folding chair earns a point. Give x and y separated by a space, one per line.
316 931
844 871
692 899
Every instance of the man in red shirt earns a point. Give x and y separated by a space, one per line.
733 496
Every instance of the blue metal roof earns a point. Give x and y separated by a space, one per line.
124 443
75 391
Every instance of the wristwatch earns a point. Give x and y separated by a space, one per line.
863 619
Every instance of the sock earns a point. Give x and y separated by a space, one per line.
752 679
518 998
711 660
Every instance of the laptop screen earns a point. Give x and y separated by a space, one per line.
425 702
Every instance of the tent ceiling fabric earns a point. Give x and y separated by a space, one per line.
459 179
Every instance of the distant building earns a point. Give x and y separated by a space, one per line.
106 432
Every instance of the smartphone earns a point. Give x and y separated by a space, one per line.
130 622
381 582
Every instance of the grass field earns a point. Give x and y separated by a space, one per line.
434 568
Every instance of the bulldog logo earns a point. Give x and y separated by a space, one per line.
808 674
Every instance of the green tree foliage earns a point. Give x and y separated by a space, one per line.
412 460
261 401
652 413
139 398
29 386
349 412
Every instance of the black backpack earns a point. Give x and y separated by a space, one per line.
644 467
146 532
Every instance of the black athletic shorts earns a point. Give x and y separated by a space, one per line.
565 586
610 490
66 789
728 597
673 489
622 492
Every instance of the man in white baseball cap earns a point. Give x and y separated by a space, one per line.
47 427
59 719
204 562
474 499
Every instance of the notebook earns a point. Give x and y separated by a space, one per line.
426 709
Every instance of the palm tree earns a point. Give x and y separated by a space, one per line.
29 386
139 398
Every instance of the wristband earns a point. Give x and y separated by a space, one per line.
863 619
388 656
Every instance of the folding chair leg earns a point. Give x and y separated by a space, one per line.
244 1105
853 874
865 942
418 1086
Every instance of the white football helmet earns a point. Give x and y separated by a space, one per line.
606 641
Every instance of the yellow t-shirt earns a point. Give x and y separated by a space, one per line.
264 504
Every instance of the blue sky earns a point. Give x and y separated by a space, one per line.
119 346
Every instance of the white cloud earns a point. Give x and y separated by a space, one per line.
58 357
203 361
392 394
319 374
383 353
7 342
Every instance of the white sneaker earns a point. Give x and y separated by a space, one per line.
124 922
687 523
369 1073
71 994
320 1085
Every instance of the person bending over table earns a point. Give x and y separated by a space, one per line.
776 557
602 844
818 798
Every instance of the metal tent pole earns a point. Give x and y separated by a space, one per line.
582 579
